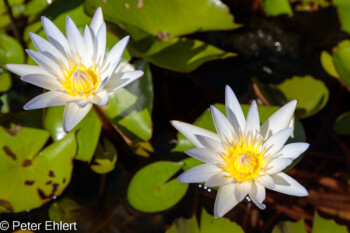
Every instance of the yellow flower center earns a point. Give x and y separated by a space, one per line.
80 81
244 157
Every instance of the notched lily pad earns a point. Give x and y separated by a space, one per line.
105 157
29 178
65 210
150 190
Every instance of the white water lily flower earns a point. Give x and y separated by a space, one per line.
75 69
243 158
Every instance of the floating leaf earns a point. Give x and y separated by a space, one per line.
208 224
311 94
105 157
31 178
328 64
150 190
343 9
342 124
88 131
205 121
277 7
5 82
130 108
341 59
290 227
155 28
65 210
10 50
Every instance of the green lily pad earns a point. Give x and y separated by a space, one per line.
88 131
311 94
130 108
342 124
328 64
105 157
341 58
65 210
277 7
32 178
10 50
290 227
5 82
343 9
208 224
205 121
155 28
150 190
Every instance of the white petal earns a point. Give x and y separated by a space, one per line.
257 195
73 114
266 181
46 63
293 150
218 179
233 106
278 165
204 155
286 184
223 127
119 80
211 144
276 141
48 99
100 98
76 43
279 120
225 200
190 132
43 81
46 48
84 101
22 69
117 51
253 122
100 44
97 20
241 190
198 174
55 36
89 47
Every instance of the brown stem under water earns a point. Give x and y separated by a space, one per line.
13 24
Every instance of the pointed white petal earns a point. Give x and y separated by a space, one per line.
48 99
266 181
97 20
204 155
279 120
55 36
223 127
76 43
276 141
218 179
46 63
233 109
84 101
253 122
293 150
117 51
198 174
22 69
278 165
257 195
241 190
119 80
190 132
43 81
100 98
100 44
89 47
73 114
211 144
225 200
46 48
287 185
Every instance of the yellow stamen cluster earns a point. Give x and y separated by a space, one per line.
244 157
79 80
